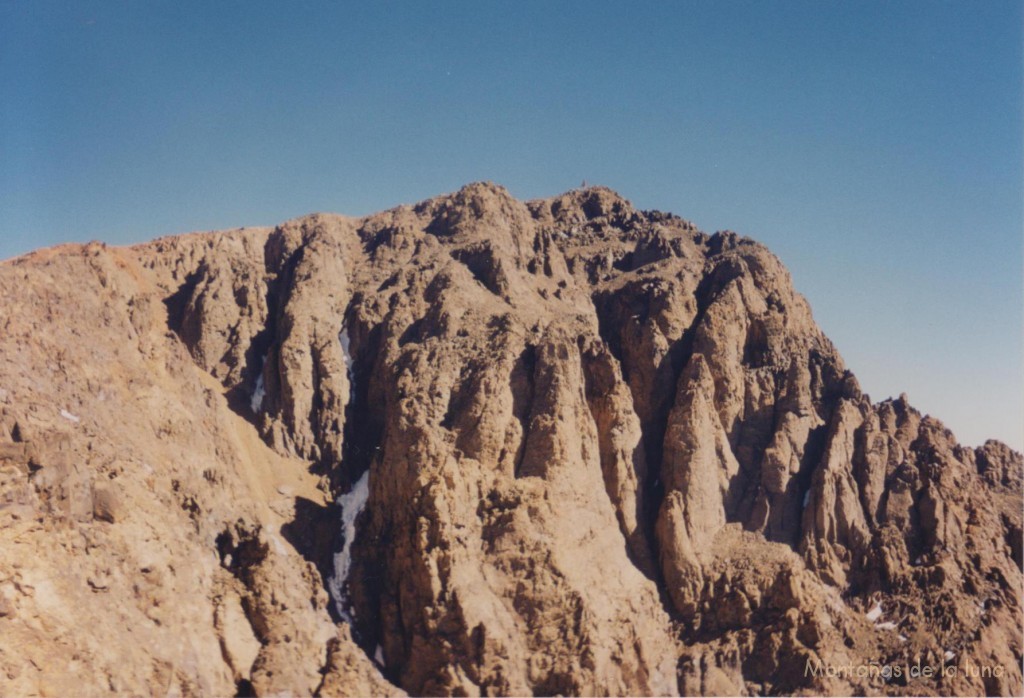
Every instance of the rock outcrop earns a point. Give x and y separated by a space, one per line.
554 447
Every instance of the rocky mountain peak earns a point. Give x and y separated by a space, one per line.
476 445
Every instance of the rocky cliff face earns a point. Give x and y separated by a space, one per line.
476 446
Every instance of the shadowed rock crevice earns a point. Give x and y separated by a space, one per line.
522 382
485 267
177 305
364 411
622 452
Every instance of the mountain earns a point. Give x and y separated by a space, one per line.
476 446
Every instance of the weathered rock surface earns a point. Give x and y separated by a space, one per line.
603 453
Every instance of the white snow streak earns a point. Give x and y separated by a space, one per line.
378 656
258 393
948 656
875 613
346 352
70 417
807 498
346 349
278 544
888 625
352 504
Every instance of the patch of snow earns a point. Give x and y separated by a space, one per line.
807 498
875 613
346 349
278 544
949 656
378 656
259 392
352 505
902 637
346 352
70 417
888 625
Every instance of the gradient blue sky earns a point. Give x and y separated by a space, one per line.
875 147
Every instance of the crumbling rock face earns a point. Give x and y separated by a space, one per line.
602 451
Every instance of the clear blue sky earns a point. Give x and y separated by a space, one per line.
874 146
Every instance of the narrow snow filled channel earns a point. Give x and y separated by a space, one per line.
346 351
351 505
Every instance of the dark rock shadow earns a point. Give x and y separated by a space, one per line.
315 533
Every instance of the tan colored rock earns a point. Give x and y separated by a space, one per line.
106 504
239 644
